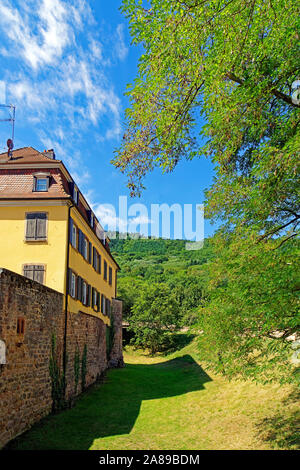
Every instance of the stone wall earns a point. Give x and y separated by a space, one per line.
116 354
25 382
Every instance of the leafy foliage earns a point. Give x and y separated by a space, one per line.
84 367
57 379
154 317
253 308
76 368
226 66
144 261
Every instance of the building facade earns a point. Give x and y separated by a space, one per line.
50 234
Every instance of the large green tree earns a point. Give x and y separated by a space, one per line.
229 67
216 80
253 308
154 317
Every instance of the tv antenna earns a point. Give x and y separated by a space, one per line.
11 118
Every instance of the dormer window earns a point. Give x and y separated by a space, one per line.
74 192
76 195
41 183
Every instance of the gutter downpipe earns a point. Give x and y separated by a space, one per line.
66 302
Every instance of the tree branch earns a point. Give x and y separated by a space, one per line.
275 92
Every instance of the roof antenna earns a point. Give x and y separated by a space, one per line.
11 118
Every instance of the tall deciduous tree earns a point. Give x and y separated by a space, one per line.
228 66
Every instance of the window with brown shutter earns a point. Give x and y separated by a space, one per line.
36 272
36 226
105 271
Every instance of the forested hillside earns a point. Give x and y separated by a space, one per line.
147 261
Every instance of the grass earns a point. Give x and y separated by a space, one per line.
170 403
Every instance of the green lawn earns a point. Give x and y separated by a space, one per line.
170 403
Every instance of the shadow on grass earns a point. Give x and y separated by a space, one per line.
283 430
113 407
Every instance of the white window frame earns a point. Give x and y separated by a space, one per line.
85 248
73 285
95 295
74 236
39 178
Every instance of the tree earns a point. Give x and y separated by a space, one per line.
228 66
154 317
253 307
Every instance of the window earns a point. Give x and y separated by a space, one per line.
90 253
103 304
76 195
36 226
41 184
110 276
99 264
95 300
36 272
79 288
73 286
94 258
85 248
84 293
74 236
20 326
105 271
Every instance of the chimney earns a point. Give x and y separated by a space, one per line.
50 154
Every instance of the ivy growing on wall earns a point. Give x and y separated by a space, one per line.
83 367
76 368
110 331
57 379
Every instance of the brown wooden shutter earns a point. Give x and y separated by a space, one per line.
90 253
28 271
79 288
88 296
41 222
30 227
39 274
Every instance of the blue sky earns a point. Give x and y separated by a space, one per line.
65 65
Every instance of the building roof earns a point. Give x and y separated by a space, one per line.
18 183
16 180
26 155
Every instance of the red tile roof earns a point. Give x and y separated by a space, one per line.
18 183
25 155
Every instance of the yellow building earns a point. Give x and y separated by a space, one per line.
49 233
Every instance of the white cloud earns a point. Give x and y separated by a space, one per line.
60 81
121 48
43 44
107 215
